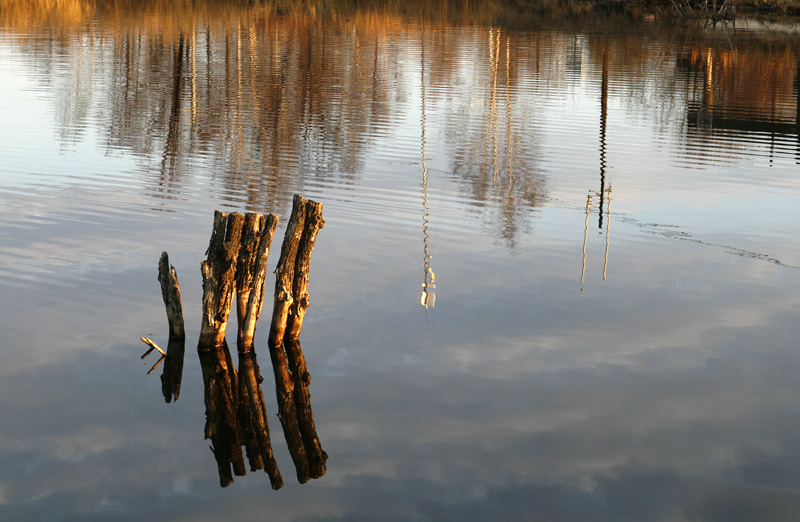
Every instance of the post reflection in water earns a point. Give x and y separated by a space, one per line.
428 297
603 128
236 415
604 194
797 111
585 236
172 375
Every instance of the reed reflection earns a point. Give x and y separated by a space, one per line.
604 194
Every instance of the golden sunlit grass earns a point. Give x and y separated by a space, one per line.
172 16
775 6
24 14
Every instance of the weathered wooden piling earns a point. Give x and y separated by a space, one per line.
257 234
172 375
219 375
288 364
251 273
297 362
235 409
236 414
171 292
219 278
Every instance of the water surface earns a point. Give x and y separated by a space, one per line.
558 279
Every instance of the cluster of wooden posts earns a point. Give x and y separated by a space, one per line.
236 266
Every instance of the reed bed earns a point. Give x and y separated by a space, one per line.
161 14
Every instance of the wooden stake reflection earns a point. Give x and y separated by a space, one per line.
585 236
608 233
428 297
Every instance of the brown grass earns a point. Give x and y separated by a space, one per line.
23 14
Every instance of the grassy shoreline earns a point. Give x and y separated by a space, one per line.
644 9
698 9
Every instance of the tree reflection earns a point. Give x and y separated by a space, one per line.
272 96
494 156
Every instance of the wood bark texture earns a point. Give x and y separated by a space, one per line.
288 363
251 273
219 278
235 410
171 292
236 413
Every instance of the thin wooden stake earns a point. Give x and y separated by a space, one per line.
153 346
171 293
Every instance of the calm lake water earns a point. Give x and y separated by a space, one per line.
558 280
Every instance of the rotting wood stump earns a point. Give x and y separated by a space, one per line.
235 409
172 375
288 363
236 415
171 292
219 278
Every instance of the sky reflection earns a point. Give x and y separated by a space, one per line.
654 378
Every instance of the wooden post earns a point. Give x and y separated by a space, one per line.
297 362
297 311
257 235
172 375
284 283
219 278
171 292
235 410
284 386
219 375
288 363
